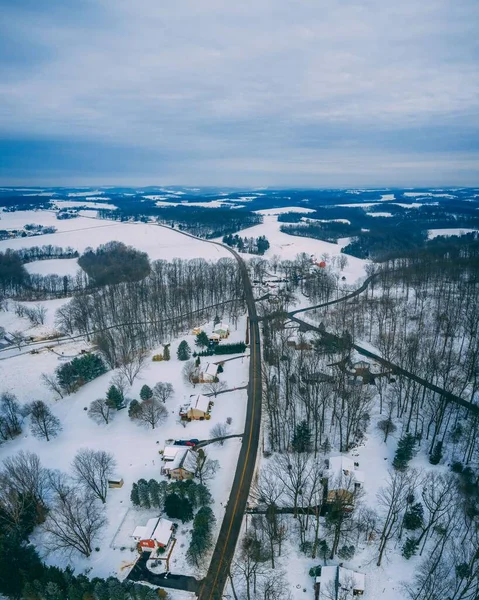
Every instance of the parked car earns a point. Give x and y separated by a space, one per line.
192 442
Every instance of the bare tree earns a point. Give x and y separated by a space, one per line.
207 467
10 416
120 381
26 474
43 424
101 411
163 391
132 362
215 387
75 520
392 498
190 372
92 469
152 412
51 382
18 338
220 430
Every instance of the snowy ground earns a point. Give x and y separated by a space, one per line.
134 447
82 232
433 233
289 246
58 266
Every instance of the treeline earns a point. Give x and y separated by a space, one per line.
250 245
45 252
202 222
328 232
218 349
127 318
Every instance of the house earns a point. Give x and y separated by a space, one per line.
222 329
196 330
344 480
183 466
336 583
157 533
209 374
214 338
197 409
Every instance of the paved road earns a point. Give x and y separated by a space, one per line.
213 585
474 408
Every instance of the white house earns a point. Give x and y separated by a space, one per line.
338 582
157 533
344 478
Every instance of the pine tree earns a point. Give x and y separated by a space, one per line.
154 492
183 351
301 441
202 340
143 493
436 455
166 352
114 397
146 393
413 519
410 548
405 451
134 495
134 409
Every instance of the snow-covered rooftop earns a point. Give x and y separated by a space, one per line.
201 403
170 452
211 369
221 327
343 466
157 529
347 579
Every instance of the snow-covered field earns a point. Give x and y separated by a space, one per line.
284 209
289 246
433 233
58 266
81 233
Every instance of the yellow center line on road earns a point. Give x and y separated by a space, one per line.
253 346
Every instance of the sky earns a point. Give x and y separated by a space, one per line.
316 93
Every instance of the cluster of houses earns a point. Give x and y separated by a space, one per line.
221 331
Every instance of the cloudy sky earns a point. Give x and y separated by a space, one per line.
325 93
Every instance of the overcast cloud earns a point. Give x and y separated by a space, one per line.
250 93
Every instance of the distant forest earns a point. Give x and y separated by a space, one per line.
382 237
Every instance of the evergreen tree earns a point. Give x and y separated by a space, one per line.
166 352
114 397
436 455
410 548
202 340
346 552
154 492
146 393
143 493
177 507
413 519
134 495
183 351
134 409
405 451
301 441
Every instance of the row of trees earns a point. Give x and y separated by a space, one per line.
250 245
